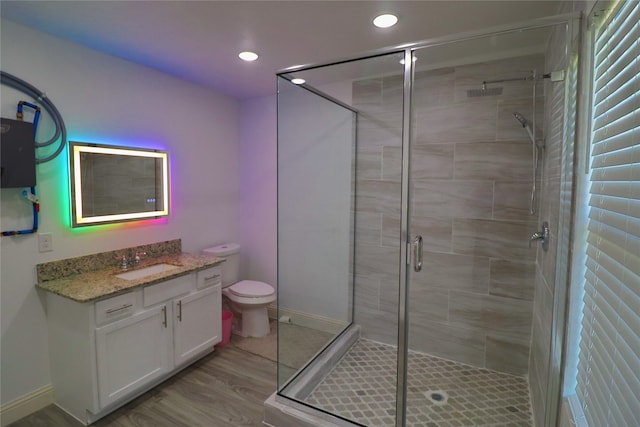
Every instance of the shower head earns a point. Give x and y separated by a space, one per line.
526 124
494 91
519 117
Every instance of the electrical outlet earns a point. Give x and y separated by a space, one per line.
45 242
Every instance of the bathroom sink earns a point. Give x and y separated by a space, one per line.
147 271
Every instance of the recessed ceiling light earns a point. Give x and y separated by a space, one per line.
248 56
298 81
385 21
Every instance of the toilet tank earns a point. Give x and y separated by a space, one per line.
231 267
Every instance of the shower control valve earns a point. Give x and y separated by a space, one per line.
541 236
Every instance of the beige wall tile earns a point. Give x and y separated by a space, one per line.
433 161
368 226
449 342
462 122
391 231
436 232
386 118
392 163
389 294
454 272
367 292
493 238
490 313
493 160
377 261
367 93
506 354
368 163
393 90
445 199
378 197
373 135
512 279
433 88
378 325
512 200
428 304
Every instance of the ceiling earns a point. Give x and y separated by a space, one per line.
199 40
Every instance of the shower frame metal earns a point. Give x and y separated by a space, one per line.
559 325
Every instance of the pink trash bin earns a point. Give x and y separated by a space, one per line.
227 318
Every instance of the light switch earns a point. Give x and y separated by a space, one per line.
45 242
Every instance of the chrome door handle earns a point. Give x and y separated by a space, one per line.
417 253
180 311
164 315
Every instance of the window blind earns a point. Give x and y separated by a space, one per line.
608 382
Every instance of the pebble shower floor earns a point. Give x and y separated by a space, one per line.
441 393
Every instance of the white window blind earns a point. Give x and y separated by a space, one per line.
608 382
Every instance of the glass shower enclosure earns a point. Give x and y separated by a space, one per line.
415 285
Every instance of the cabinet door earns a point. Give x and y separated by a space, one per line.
132 353
197 323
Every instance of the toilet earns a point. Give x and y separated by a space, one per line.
248 299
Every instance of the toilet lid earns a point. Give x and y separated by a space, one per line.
251 288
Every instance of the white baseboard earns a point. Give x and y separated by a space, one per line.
308 320
25 405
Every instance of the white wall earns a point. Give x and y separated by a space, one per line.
258 182
258 189
108 100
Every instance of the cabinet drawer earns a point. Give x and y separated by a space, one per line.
209 277
115 308
167 290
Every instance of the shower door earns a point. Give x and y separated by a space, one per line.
476 164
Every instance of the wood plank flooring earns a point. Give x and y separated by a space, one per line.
224 389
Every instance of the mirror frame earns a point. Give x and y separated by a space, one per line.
78 219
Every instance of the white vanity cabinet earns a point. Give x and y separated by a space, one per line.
105 353
132 353
189 315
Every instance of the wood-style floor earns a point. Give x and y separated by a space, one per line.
224 389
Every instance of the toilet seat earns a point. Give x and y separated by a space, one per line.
251 289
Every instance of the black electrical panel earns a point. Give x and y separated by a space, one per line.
18 154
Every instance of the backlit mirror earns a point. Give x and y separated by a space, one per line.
115 184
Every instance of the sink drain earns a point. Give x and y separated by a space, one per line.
437 397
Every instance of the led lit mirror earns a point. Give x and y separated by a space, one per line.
115 184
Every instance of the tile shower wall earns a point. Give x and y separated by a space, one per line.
471 181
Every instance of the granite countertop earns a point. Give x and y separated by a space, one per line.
94 285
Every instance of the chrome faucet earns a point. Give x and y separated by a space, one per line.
124 262
131 260
138 256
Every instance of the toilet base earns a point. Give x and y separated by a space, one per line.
250 322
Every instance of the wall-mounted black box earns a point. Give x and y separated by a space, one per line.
17 154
